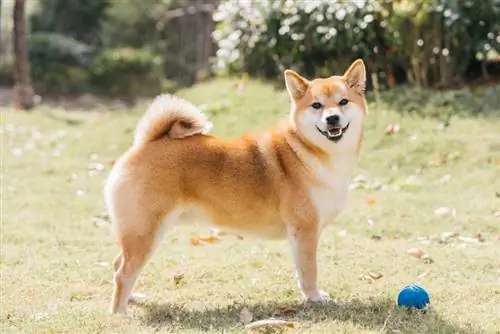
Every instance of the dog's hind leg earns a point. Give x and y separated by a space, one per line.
138 236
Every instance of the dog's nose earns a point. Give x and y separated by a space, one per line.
333 119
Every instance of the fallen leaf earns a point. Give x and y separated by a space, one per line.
370 277
479 237
245 316
196 241
209 238
445 179
446 236
270 323
96 167
371 201
416 252
287 310
40 315
424 274
443 211
392 128
178 279
468 240
420 254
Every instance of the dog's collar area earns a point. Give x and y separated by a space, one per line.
334 137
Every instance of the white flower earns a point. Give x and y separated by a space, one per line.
340 14
368 18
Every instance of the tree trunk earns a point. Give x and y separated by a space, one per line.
1 45
23 91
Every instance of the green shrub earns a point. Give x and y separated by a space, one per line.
6 75
421 41
58 63
127 73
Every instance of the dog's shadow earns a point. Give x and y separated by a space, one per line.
378 314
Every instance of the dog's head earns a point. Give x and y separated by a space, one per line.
328 112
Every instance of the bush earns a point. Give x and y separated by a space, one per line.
421 41
6 74
127 73
58 63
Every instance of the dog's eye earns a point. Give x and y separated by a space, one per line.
343 102
316 105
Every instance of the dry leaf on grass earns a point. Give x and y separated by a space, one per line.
443 211
446 236
419 254
270 323
424 274
287 310
370 277
445 179
245 316
392 128
468 240
479 237
40 315
195 241
201 240
371 201
178 279
209 238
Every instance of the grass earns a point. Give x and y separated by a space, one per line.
56 247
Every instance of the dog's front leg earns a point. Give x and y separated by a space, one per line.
304 242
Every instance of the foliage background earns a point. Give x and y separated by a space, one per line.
424 43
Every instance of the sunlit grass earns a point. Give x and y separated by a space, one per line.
56 248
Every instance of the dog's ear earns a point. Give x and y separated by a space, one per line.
355 76
295 84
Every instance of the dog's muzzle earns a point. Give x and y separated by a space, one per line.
334 132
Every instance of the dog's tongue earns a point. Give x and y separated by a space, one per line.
334 130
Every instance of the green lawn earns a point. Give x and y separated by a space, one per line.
56 245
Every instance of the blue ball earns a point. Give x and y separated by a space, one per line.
413 296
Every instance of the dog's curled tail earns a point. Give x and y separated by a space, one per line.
170 116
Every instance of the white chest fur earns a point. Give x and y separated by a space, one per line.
330 196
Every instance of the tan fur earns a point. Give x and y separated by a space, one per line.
172 116
287 182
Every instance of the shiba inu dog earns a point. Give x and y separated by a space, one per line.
287 182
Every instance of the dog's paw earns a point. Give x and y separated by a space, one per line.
137 297
320 297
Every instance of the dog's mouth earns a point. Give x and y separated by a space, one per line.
334 133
